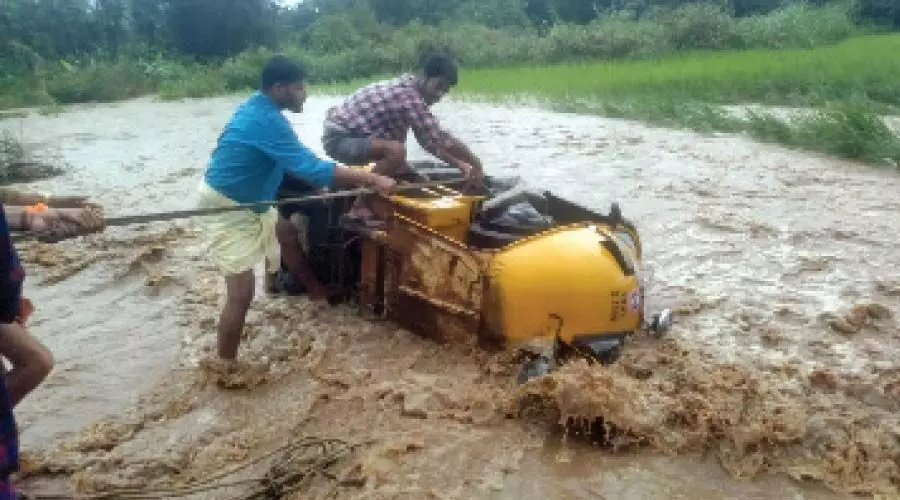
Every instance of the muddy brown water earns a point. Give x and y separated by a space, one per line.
780 379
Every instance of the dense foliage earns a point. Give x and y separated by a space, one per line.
66 51
31 30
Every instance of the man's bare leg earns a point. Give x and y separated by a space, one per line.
390 160
239 290
389 157
31 361
295 259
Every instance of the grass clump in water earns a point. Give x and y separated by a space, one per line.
18 165
847 129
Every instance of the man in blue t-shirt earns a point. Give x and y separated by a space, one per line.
255 152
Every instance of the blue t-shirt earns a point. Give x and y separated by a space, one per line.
256 149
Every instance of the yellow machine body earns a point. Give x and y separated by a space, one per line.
443 209
571 282
564 283
446 213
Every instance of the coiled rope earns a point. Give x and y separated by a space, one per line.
294 466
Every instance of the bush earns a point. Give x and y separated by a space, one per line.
242 72
697 26
204 82
795 25
97 81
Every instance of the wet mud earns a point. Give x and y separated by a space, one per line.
779 379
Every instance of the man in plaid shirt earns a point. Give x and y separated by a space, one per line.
372 124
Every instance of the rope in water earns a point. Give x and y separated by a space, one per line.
184 214
294 466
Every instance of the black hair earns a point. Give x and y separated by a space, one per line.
436 64
281 69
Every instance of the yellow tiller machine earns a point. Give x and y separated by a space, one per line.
508 266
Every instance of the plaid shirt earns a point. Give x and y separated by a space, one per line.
387 110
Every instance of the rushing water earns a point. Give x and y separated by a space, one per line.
782 265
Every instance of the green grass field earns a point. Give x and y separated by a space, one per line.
864 68
846 86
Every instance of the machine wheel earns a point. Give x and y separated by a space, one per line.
661 322
534 368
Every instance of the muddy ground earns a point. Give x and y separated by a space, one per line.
779 380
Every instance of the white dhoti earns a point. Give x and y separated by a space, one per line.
238 240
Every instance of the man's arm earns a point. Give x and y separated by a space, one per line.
9 196
279 141
428 132
346 176
16 218
285 147
55 224
438 142
461 151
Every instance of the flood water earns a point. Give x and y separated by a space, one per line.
780 378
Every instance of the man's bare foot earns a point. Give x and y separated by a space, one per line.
233 374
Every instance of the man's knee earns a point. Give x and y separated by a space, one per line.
43 362
26 353
395 151
390 156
